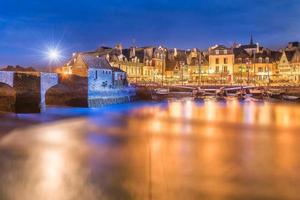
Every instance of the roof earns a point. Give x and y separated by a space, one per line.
240 53
219 47
116 69
249 46
275 55
294 44
96 62
289 55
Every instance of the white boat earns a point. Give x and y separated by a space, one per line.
290 97
162 91
174 93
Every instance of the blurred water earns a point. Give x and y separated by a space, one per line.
170 150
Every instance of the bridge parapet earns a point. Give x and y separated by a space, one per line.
30 88
7 78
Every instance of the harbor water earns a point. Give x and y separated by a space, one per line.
148 150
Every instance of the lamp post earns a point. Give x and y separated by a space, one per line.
199 65
181 67
268 67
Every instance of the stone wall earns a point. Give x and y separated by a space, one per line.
98 80
27 87
111 96
7 77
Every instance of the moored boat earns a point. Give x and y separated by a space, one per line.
275 93
160 93
174 93
257 94
290 97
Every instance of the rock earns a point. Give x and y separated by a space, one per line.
7 98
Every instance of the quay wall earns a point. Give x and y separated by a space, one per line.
111 96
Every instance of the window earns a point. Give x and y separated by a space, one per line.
225 51
217 52
217 69
260 59
96 75
225 69
260 69
217 60
225 60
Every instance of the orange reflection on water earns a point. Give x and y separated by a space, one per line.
177 150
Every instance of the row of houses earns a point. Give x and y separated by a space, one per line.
250 63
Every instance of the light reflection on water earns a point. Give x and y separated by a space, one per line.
175 150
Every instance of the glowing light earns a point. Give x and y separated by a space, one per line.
54 54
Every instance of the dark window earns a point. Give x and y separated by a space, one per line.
225 60
217 60
96 74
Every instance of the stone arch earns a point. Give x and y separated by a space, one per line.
48 80
7 98
71 91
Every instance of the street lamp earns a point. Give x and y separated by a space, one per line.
53 55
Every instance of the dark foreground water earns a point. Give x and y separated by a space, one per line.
177 150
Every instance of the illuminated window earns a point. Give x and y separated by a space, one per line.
225 69
267 59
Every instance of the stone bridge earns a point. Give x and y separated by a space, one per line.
30 89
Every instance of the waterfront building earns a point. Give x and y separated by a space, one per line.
265 66
289 66
97 69
197 62
254 64
243 71
176 66
221 61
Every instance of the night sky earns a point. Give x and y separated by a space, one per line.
29 28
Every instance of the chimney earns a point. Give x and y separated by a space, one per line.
257 47
132 52
175 52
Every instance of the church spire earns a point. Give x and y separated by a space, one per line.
251 40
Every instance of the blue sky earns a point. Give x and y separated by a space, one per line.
29 28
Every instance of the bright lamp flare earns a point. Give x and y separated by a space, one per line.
53 54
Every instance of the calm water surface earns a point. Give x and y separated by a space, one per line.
176 150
